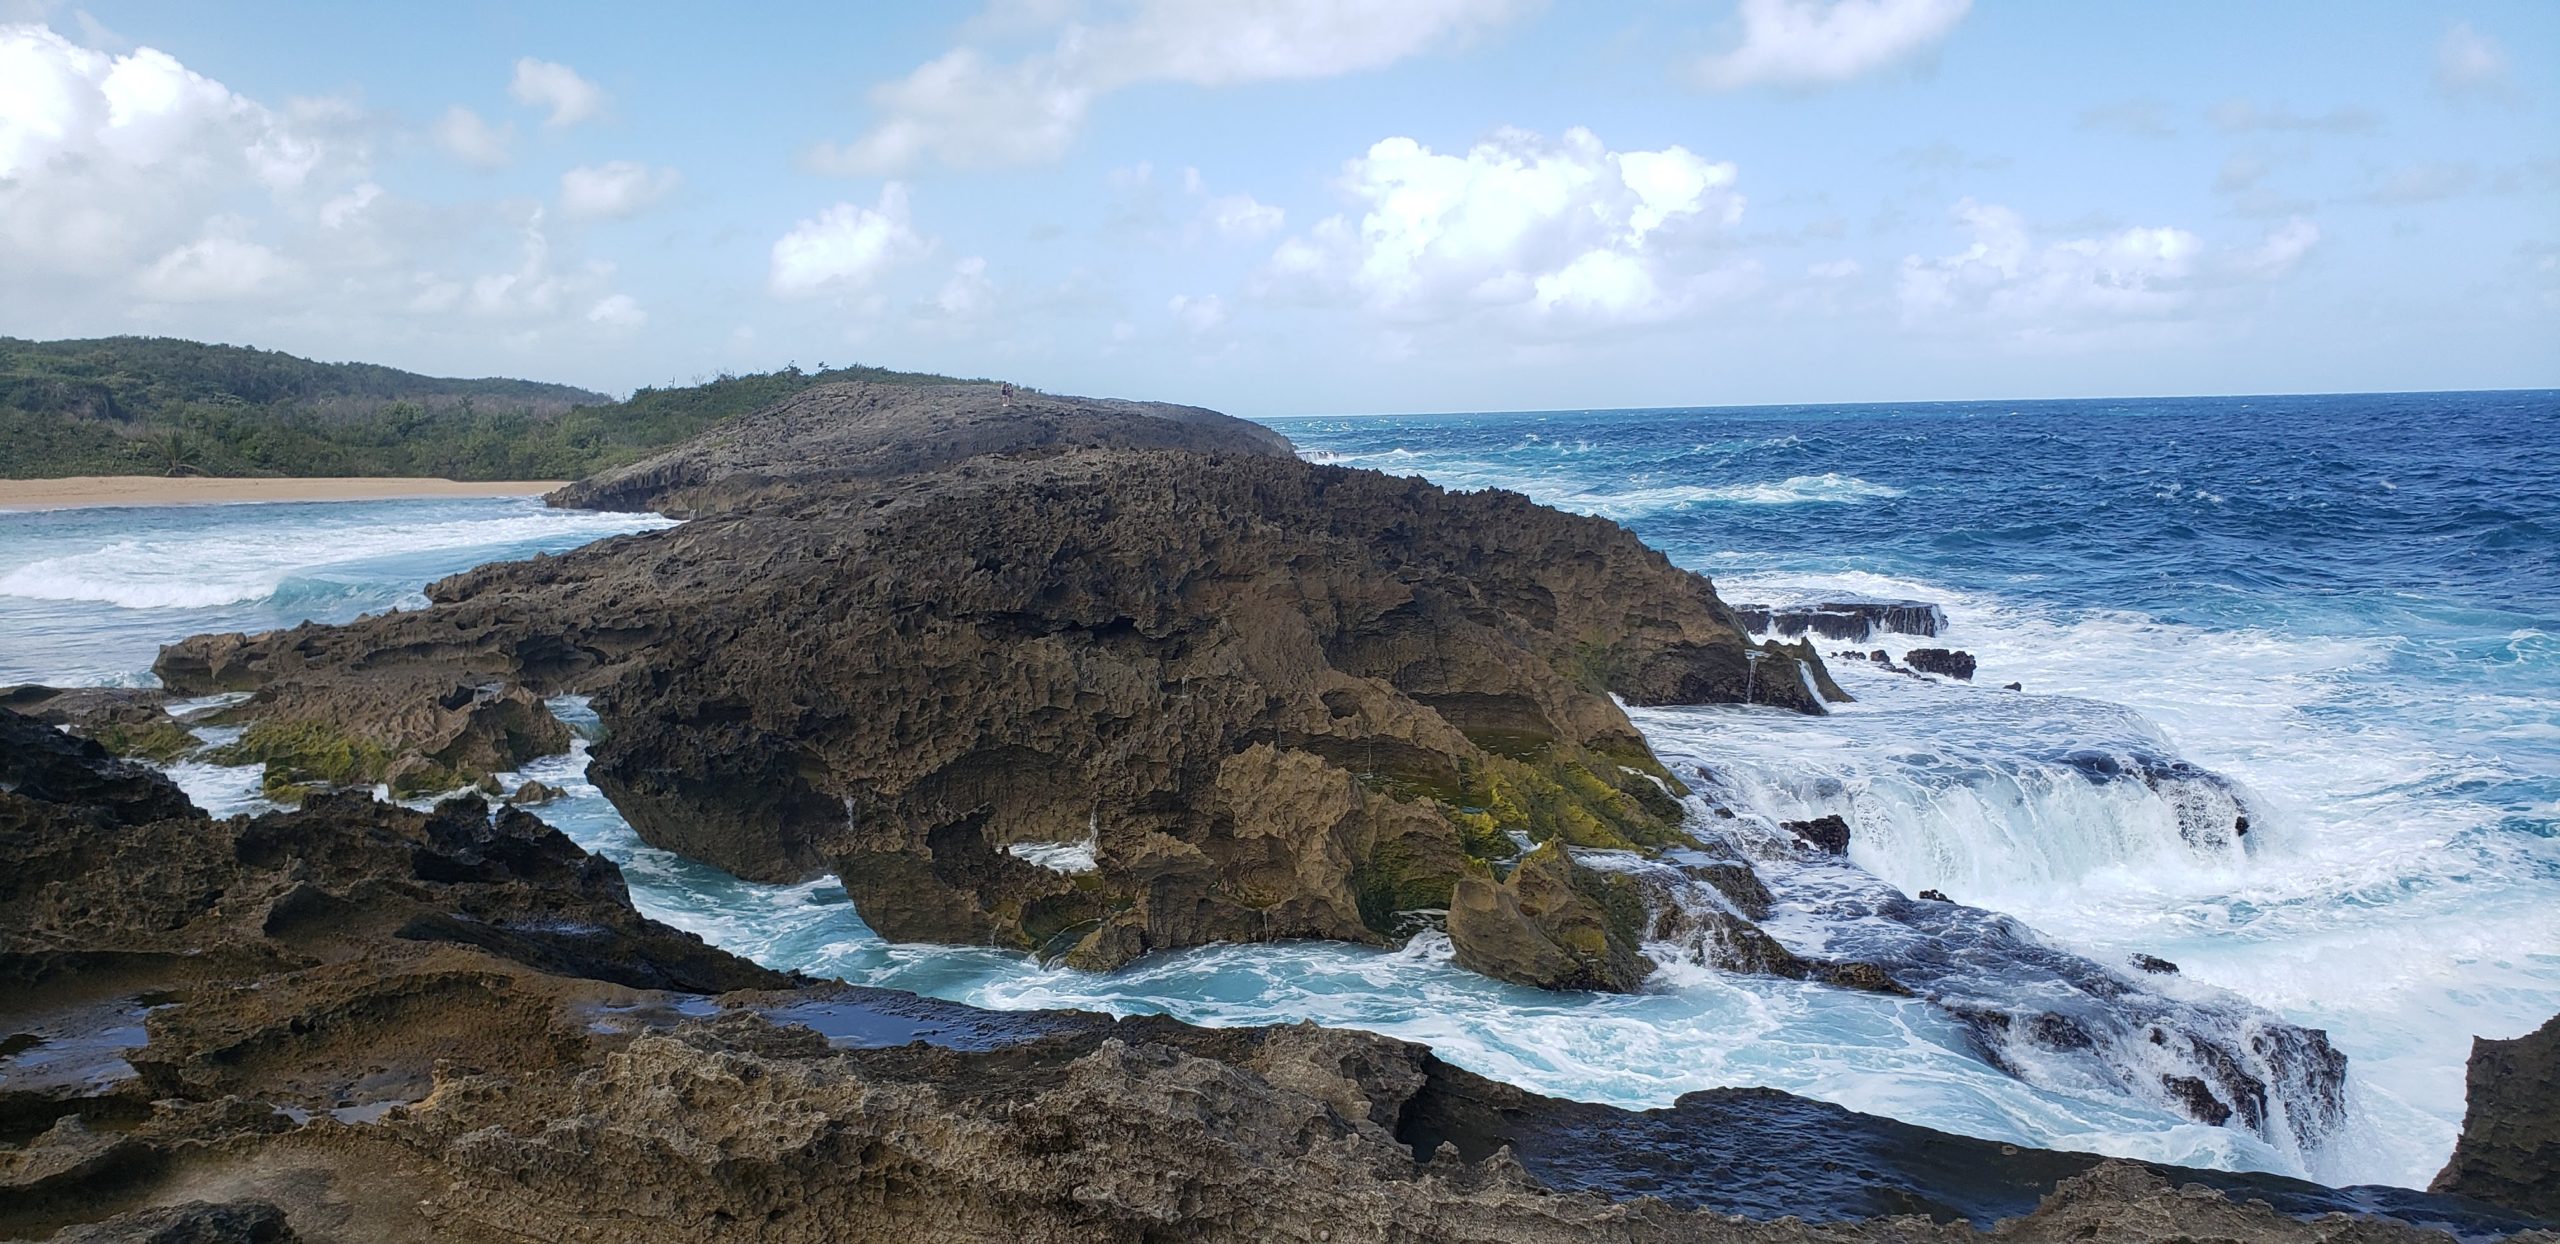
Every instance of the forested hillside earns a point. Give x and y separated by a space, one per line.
153 405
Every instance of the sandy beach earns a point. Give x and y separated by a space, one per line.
101 490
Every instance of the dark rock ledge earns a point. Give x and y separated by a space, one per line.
359 1022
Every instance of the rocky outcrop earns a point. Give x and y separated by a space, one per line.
1283 700
282 1044
2509 1153
1552 923
1855 619
129 721
1943 661
851 434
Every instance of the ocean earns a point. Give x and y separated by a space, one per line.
2348 607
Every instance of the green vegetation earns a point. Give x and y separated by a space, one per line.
162 740
159 406
302 756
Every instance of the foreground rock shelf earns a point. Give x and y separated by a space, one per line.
360 1022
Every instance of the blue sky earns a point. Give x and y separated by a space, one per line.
1312 206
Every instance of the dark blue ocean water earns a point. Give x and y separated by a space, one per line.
2349 606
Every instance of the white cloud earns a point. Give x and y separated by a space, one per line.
113 165
1242 217
2009 282
2469 63
620 311
213 269
2283 250
1834 270
620 188
965 108
968 294
549 84
1814 43
1204 314
1545 232
846 246
467 136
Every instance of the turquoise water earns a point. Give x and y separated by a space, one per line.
2350 607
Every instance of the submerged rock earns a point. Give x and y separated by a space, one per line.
2509 1153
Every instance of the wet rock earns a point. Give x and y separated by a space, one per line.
1552 923
1828 833
1943 661
1854 619
2155 964
2013 686
1935 896
2196 1100
2509 1151
535 793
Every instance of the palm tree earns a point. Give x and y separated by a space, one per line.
180 452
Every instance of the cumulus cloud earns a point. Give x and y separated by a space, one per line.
1834 270
1242 217
2008 280
2283 250
617 311
1543 231
1201 315
213 269
467 136
138 195
621 188
968 294
1816 43
2012 285
969 109
2471 64
116 166
846 247
554 86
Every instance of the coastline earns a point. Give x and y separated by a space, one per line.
90 491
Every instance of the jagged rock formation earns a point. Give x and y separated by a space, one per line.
1283 700
271 1028
869 432
2509 1153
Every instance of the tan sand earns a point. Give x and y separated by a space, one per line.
91 490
